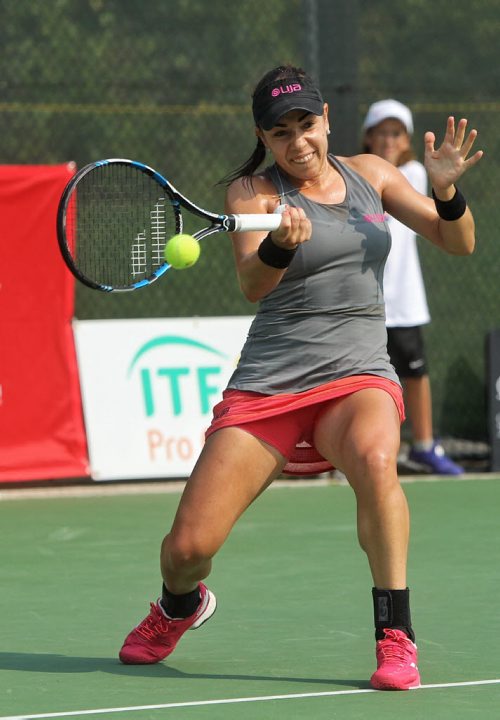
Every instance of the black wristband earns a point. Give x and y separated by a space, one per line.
274 256
450 209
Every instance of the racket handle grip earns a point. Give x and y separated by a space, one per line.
260 221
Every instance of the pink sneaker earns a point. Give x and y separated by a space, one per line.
396 663
157 635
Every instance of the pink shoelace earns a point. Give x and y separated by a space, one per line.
395 647
155 624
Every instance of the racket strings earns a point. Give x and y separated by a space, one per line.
117 223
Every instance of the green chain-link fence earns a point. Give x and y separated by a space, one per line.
168 82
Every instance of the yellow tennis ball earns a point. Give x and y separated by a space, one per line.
182 251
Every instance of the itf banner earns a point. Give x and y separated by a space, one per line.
41 424
148 389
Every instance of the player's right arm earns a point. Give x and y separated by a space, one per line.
256 278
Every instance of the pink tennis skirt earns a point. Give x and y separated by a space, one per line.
286 421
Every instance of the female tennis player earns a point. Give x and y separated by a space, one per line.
314 387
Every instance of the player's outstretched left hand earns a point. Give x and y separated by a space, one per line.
449 162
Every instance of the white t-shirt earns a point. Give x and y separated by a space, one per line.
404 290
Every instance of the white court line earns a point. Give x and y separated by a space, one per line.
229 701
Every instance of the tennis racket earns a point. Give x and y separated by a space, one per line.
115 217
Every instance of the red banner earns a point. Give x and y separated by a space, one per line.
42 434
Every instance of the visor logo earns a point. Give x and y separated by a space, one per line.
285 89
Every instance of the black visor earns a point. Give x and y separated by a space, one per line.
278 98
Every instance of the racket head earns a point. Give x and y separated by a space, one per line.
113 222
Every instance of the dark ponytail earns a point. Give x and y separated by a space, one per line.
248 168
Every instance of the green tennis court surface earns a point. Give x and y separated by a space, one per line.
293 633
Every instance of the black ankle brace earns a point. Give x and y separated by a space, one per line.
392 610
179 606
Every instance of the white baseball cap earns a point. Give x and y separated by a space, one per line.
385 109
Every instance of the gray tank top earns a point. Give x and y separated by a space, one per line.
326 319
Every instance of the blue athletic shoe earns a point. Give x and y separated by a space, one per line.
435 461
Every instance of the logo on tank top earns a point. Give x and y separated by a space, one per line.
375 217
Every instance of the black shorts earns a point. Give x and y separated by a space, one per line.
405 346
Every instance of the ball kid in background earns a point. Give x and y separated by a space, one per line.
388 129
